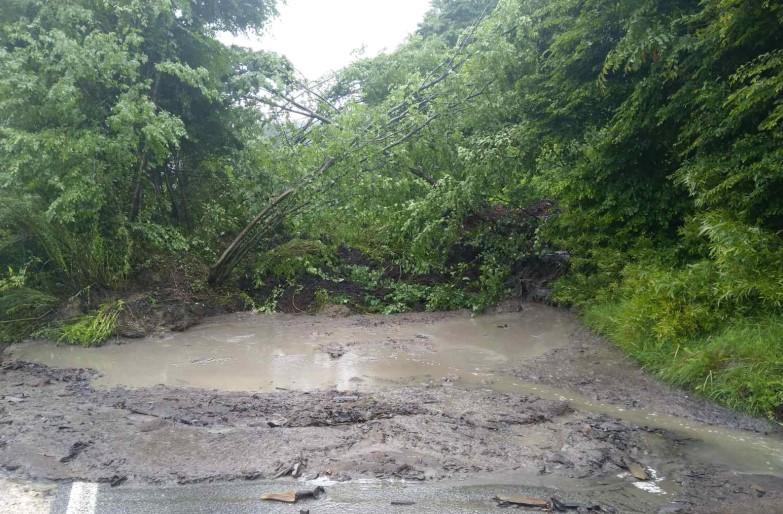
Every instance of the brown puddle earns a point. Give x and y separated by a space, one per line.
254 352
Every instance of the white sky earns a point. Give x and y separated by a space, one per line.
319 36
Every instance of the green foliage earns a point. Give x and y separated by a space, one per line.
447 19
320 299
670 306
13 279
291 260
364 275
741 366
403 296
119 122
749 260
73 260
89 329
447 297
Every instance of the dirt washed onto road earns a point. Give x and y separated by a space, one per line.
515 397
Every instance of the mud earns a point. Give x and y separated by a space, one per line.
516 397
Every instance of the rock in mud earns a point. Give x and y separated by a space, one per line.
295 470
184 324
116 480
335 351
675 507
335 310
564 506
293 496
276 422
637 470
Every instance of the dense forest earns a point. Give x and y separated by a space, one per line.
621 158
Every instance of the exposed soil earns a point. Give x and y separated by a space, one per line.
56 425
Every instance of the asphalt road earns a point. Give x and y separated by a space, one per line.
349 497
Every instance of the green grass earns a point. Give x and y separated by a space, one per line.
739 365
91 329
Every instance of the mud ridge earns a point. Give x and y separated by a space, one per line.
56 426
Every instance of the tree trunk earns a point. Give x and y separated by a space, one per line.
239 247
242 244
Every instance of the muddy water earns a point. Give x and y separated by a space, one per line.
263 352
249 352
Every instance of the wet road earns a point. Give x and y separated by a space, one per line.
351 497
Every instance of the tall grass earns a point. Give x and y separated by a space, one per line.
76 259
22 310
713 324
90 329
739 365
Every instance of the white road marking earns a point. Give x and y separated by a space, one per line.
83 498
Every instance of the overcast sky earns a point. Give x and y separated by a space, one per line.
319 36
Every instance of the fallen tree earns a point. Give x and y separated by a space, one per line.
401 123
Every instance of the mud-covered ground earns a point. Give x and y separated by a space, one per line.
604 373
54 425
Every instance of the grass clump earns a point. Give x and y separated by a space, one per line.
91 329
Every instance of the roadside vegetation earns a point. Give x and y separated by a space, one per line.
626 155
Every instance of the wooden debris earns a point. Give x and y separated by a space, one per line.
524 501
286 497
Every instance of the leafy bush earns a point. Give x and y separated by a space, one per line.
749 260
320 299
404 297
699 327
447 297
